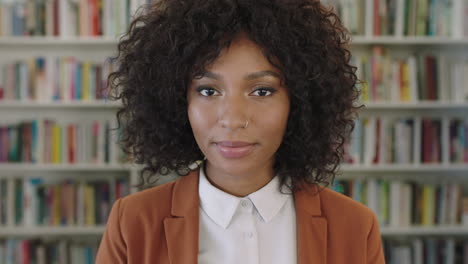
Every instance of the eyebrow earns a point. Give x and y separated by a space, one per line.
250 76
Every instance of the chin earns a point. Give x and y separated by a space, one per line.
234 166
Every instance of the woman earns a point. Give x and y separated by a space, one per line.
262 93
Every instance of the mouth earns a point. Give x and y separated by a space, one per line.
234 149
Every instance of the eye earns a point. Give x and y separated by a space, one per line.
264 91
207 91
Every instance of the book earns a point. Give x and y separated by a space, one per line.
59 142
55 79
406 203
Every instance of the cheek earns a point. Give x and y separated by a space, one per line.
278 123
200 118
281 114
273 125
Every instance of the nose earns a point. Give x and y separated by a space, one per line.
233 112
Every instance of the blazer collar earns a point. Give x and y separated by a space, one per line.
312 226
181 229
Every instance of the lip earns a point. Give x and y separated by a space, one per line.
234 149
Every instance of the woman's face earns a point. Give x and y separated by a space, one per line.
238 109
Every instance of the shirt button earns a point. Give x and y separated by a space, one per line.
244 203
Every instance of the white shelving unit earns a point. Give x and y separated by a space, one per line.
407 40
356 40
425 231
436 173
99 48
424 105
92 49
19 167
104 47
39 40
426 168
51 231
59 105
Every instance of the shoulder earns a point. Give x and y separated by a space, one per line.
154 200
353 231
342 210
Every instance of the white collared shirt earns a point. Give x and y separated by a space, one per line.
257 229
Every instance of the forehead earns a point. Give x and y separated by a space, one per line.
242 56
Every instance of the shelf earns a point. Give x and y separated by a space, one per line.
21 167
425 231
99 230
112 105
389 40
344 167
423 105
54 105
357 40
405 168
38 40
47 231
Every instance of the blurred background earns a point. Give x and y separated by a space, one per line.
61 168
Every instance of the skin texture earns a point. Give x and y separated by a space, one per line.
218 112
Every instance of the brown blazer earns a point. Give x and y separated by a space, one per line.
160 225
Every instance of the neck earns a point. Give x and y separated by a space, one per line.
239 185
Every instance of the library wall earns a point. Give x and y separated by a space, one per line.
61 167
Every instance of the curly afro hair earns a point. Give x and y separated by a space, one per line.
174 40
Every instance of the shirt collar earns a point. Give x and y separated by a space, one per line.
268 200
221 206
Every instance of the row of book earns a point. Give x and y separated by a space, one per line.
429 250
403 17
66 18
426 251
50 141
417 77
39 201
351 12
111 18
52 78
386 78
408 203
407 140
39 251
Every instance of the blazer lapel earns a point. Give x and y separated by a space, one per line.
181 228
311 227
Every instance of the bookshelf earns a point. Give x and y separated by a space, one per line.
59 105
68 94
413 56
357 41
53 231
397 45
